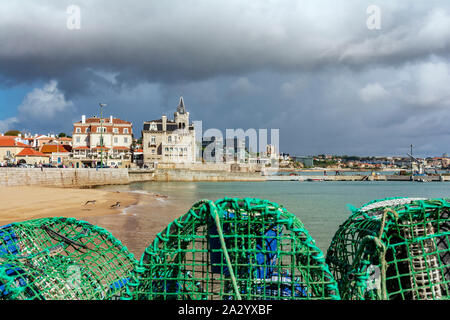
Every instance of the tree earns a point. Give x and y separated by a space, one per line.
13 133
62 135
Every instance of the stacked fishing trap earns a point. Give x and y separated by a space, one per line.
395 248
62 258
233 249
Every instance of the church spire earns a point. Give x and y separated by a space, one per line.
181 109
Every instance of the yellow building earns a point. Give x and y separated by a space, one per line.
31 156
9 148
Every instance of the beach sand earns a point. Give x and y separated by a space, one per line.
26 203
135 223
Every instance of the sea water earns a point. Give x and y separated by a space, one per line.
321 206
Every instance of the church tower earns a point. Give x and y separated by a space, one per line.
181 116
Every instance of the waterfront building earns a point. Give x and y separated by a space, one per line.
169 141
58 154
31 156
138 157
10 146
107 139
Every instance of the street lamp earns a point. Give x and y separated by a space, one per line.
101 132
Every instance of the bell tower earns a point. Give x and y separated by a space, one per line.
181 115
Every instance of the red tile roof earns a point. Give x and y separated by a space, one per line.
7 141
50 148
81 148
105 121
121 148
30 153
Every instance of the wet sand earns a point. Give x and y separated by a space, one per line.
137 226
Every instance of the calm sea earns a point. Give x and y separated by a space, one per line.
321 206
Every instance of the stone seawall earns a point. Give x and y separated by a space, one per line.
141 175
66 178
190 175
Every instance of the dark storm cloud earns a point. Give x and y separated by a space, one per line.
311 68
192 40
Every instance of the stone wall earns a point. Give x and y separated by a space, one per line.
67 178
140 175
192 175
230 167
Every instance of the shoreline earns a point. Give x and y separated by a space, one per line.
20 203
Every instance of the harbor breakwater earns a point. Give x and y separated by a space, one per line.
435 178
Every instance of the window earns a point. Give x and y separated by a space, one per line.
169 139
116 140
116 130
153 150
125 140
125 130
78 130
153 139
8 153
87 130
78 139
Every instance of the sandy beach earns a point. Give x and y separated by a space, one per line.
135 223
25 203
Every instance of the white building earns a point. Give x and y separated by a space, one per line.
169 141
96 139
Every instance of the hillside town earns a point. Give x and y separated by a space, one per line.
98 142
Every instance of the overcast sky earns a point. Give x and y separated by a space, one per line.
312 69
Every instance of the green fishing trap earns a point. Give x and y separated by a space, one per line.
233 249
62 258
394 248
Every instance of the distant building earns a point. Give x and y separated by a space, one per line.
169 141
94 139
307 161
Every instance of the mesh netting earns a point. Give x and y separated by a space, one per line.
395 248
62 258
233 249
